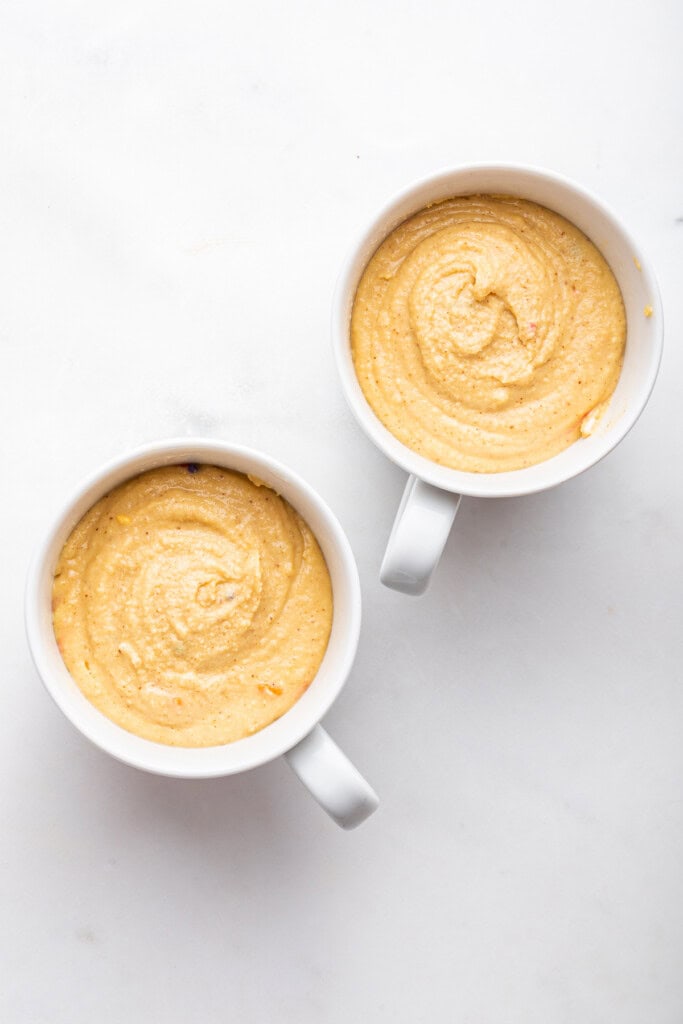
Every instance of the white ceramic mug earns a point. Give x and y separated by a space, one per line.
433 492
314 757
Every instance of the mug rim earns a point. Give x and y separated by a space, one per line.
266 744
510 483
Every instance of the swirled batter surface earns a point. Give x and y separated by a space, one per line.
192 605
487 333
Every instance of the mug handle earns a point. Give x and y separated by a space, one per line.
330 777
418 536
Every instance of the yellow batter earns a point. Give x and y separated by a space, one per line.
486 331
192 606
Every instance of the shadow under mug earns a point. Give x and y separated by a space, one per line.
433 492
317 761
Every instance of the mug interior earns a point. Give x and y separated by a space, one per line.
274 739
638 288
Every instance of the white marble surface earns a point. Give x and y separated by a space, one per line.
178 184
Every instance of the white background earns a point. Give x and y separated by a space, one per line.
178 185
